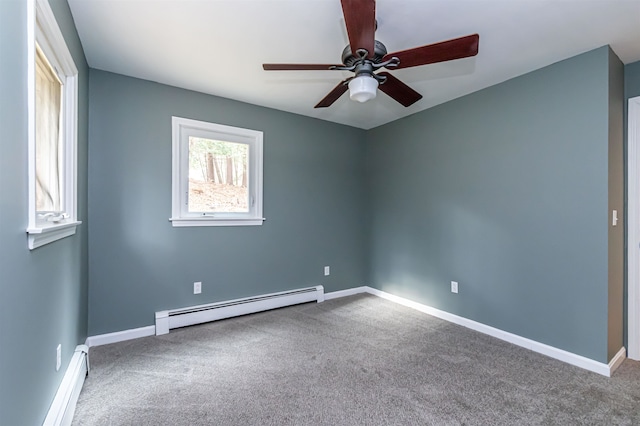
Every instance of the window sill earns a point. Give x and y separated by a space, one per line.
208 221
39 237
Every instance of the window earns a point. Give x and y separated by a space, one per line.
52 91
217 174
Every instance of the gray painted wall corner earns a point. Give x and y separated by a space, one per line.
65 20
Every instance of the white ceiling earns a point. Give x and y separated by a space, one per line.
219 46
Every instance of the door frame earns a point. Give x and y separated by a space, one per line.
633 229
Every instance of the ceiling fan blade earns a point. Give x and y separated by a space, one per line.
333 95
456 48
398 90
298 67
360 19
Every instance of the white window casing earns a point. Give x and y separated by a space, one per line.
47 227
182 130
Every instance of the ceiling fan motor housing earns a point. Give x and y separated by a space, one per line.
349 59
365 56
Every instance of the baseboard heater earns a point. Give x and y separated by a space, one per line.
166 320
64 404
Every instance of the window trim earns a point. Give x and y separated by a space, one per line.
180 166
43 29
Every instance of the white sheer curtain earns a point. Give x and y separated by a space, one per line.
49 155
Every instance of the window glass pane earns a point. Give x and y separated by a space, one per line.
218 176
48 137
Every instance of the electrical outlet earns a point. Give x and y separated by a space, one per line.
58 357
454 286
197 287
327 271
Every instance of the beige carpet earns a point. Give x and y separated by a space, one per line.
358 360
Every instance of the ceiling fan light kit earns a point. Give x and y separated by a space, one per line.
363 88
371 55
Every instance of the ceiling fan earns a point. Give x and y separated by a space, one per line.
364 55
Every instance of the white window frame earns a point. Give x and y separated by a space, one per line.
182 128
43 29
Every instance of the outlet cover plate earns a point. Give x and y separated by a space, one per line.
327 271
197 287
454 286
58 357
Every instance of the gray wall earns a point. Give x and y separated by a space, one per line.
506 192
43 293
615 308
632 80
140 264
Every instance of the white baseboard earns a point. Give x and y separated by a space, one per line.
553 352
617 360
550 351
344 293
64 404
121 336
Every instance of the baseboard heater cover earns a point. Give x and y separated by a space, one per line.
166 320
64 404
